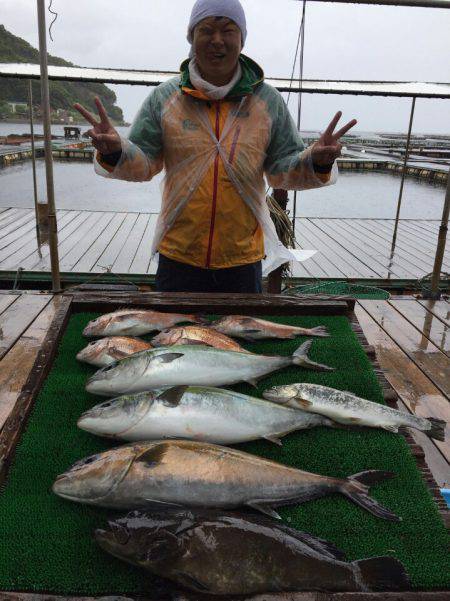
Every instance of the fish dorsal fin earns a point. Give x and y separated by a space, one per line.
263 509
172 396
166 357
152 456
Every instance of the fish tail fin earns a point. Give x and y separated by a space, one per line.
356 488
437 428
300 357
320 331
382 574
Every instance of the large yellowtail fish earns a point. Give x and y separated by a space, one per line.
194 365
198 474
195 413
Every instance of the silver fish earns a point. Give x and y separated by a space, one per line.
195 365
105 351
252 328
196 413
225 553
347 408
135 322
198 474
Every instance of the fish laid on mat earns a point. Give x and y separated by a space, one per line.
346 408
231 554
251 328
195 365
196 413
135 322
198 474
196 335
105 351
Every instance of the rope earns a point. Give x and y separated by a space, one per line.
107 270
55 17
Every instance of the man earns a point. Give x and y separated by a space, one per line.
217 129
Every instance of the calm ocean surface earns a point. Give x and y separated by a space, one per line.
356 194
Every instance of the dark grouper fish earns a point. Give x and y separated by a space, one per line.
198 474
194 365
229 554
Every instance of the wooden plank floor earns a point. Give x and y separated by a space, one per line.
24 319
94 241
409 337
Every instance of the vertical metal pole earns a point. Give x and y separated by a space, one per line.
33 159
299 105
442 239
45 98
399 204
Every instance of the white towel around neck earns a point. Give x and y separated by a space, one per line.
213 92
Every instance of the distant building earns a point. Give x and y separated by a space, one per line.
18 107
72 133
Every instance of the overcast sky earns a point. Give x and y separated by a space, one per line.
342 41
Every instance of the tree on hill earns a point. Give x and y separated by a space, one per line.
62 93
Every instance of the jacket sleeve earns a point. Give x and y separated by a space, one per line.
142 153
288 164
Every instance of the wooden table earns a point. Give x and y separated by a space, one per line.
405 339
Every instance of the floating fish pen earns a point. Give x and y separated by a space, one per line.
431 175
10 157
40 440
77 154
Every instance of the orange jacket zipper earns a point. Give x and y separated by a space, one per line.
215 185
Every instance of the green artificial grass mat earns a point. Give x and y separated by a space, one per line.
47 543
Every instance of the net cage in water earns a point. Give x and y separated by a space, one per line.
357 291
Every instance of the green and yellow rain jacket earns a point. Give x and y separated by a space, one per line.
216 155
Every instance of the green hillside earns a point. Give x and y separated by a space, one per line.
62 94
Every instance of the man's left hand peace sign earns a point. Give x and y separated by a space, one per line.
328 148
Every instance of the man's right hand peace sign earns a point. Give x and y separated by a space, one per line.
104 137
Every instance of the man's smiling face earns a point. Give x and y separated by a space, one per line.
217 44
